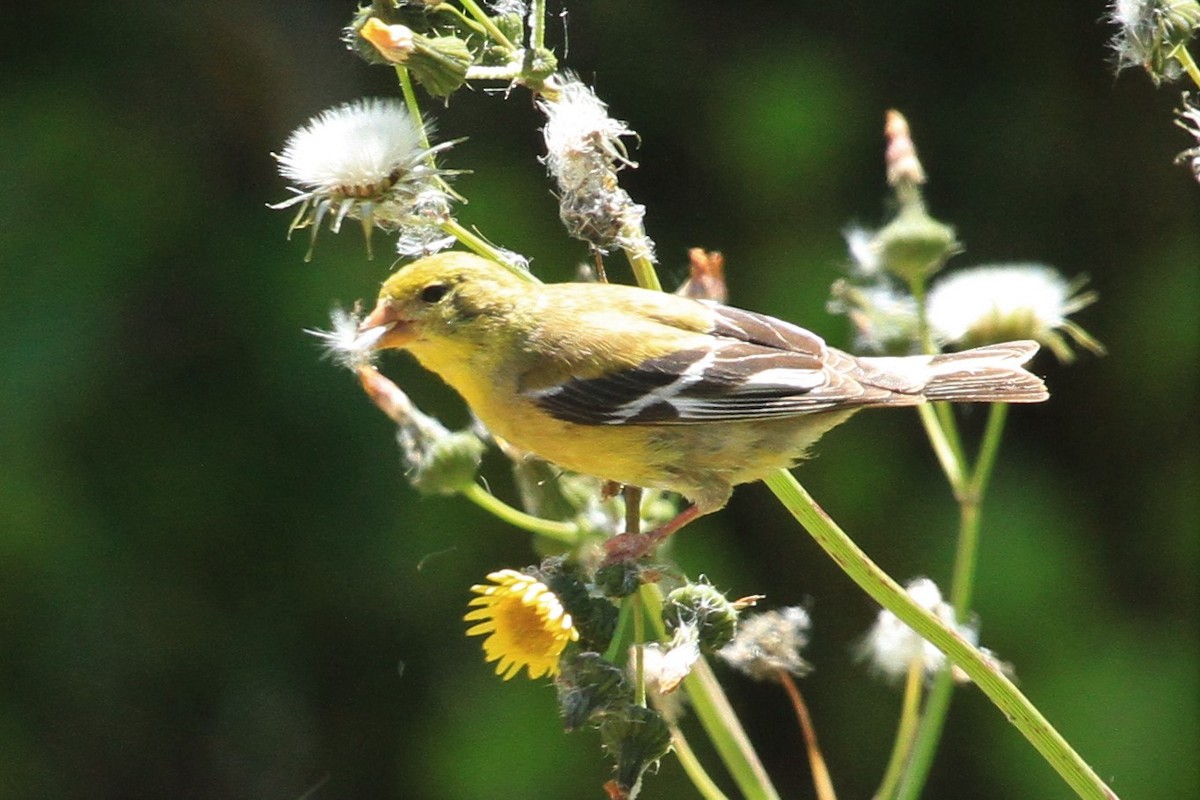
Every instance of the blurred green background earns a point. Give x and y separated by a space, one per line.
215 581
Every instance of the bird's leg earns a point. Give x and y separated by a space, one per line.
630 546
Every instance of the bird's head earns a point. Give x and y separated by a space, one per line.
439 297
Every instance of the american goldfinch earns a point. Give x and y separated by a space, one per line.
650 389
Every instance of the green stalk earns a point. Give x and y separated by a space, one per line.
483 247
481 16
414 108
1188 63
910 714
948 433
929 733
1000 690
962 588
565 532
942 448
537 16
639 649
704 784
716 715
963 584
639 260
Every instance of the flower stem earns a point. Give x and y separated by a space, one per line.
414 108
481 16
999 689
705 785
945 452
962 588
565 532
1188 63
483 247
963 583
639 649
716 715
929 733
905 732
537 22
639 257
822 783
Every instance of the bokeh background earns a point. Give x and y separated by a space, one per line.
214 581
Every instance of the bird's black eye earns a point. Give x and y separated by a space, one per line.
434 292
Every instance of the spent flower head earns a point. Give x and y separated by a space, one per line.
769 643
667 664
989 304
525 624
1150 34
584 152
884 318
366 160
1189 120
892 648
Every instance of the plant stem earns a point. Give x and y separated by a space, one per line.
905 732
414 108
565 532
704 784
962 585
946 455
929 734
483 247
481 16
822 783
639 257
537 23
1188 63
716 715
639 649
962 588
999 689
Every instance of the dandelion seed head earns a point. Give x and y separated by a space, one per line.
989 304
353 150
365 160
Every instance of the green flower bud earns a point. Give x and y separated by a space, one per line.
618 580
540 64
703 606
439 63
595 617
443 464
588 687
635 739
914 245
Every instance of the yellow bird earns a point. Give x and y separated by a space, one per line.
649 389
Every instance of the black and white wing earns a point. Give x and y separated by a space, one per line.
753 367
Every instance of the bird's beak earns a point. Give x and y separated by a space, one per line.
385 323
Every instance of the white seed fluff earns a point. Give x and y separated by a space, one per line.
964 300
352 149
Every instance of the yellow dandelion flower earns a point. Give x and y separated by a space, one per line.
526 621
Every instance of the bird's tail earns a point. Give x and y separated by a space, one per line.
991 374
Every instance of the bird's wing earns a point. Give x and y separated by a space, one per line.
751 367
